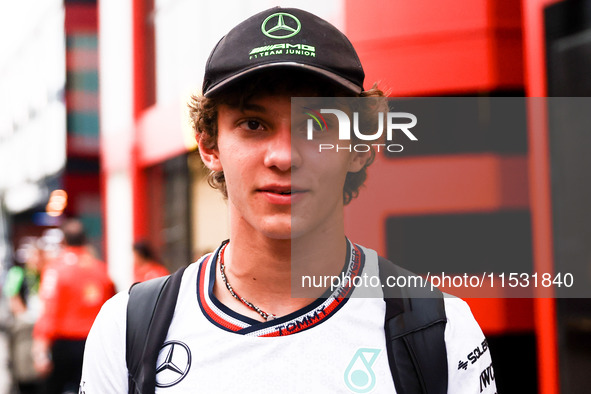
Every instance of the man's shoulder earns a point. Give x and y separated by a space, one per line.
114 308
458 311
116 302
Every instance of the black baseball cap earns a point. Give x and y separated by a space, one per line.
283 38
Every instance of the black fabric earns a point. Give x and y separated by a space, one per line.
145 335
415 331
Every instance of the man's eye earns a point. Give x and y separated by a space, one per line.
316 126
251 125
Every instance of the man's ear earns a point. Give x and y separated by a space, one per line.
210 156
358 160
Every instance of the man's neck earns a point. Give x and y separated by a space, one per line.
266 271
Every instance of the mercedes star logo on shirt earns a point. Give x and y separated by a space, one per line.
174 361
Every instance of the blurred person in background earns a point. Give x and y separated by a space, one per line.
146 264
73 288
21 288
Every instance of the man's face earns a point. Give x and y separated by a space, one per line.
278 183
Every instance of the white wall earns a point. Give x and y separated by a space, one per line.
116 123
32 104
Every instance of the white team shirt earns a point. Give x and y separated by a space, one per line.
334 345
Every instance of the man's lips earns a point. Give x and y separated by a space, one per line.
278 194
282 190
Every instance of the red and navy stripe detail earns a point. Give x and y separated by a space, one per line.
311 315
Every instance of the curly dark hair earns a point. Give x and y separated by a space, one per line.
204 110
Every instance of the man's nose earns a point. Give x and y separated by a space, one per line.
280 152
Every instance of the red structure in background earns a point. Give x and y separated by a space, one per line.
541 207
455 47
144 96
434 48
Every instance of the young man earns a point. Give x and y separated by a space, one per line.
236 326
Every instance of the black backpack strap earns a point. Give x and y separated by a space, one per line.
415 335
149 312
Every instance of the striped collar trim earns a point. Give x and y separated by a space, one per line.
307 317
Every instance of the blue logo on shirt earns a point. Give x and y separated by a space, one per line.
359 376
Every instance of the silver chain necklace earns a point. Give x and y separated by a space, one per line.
265 315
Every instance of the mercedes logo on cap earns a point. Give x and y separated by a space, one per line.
174 361
281 25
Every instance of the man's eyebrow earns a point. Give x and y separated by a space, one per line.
253 108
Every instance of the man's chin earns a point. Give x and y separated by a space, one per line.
287 228
279 229
279 236
282 234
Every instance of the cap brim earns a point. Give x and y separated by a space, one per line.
343 82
